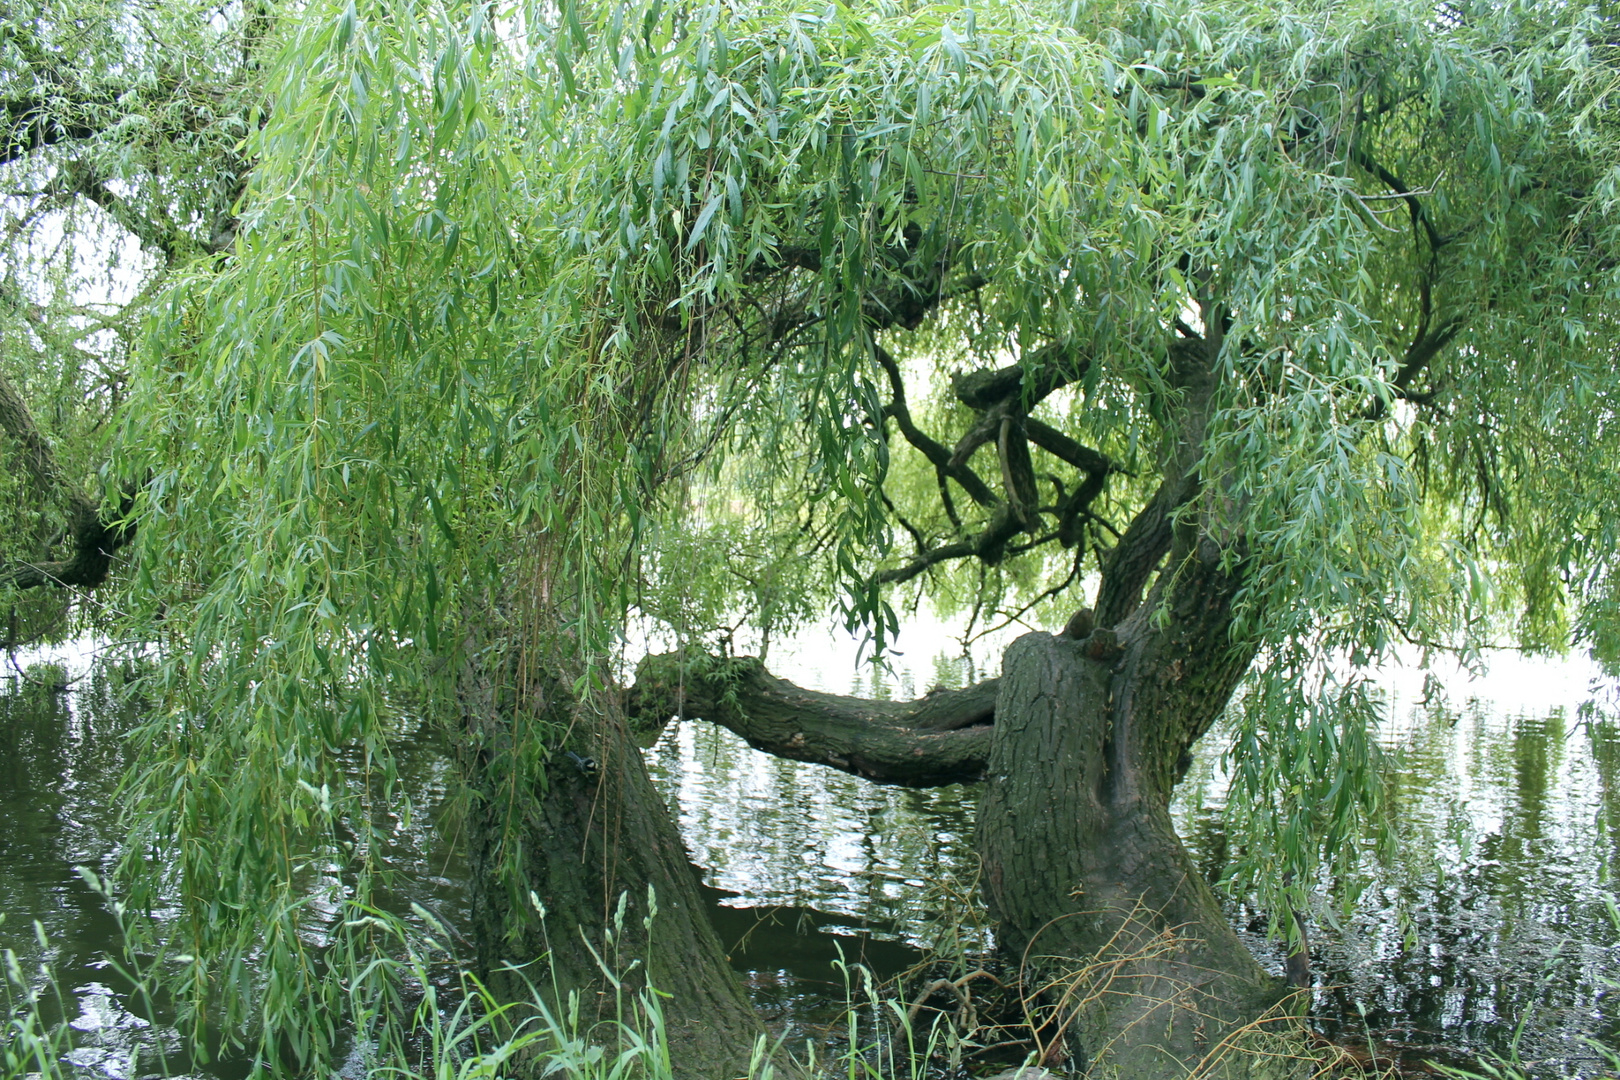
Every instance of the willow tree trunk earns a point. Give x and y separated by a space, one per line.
579 830
1130 965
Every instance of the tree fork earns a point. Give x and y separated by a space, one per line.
1092 890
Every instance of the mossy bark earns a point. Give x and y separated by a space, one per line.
1129 963
942 738
578 827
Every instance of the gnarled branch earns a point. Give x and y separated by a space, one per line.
936 454
943 738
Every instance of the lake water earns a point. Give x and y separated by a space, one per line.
1506 788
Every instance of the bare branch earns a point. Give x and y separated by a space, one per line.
961 549
1420 217
943 738
937 455
1017 472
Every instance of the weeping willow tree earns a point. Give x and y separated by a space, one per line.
1272 335
117 165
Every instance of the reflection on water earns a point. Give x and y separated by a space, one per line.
1492 915
61 754
815 864
1487 933
1504 871
778 832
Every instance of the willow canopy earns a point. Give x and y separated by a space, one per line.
1276 335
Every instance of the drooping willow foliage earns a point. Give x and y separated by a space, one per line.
522 299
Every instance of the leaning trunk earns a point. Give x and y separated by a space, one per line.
1130 965
579 830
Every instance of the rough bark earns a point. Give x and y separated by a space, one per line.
942 738
1132 965
578 830
1136 558
1129 964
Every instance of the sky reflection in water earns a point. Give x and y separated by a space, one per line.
1507 790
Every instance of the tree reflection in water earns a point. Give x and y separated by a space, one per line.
1491 912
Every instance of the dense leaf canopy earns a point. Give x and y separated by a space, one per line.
548 315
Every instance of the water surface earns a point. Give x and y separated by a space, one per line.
1488 932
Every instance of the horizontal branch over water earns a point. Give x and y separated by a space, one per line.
941 738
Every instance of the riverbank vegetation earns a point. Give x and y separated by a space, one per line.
1242 342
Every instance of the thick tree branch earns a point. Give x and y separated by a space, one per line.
161 238
1137 555
1063 448
960 549
1002 398
1428 338
1018 473
1051 368
907 305
37 456
1077 505
1419 355
1012 391
94 543
989 547
1148 538
943 738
